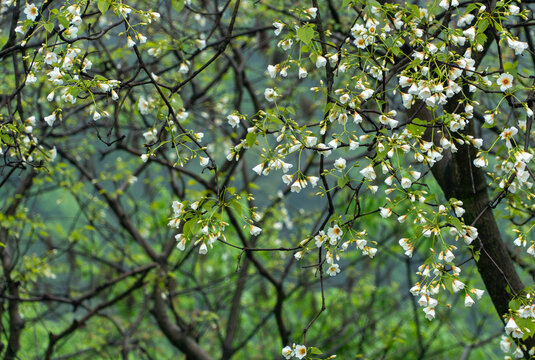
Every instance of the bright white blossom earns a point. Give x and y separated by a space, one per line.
287 352
505 81
300 351
31 12
333 269
233 120
340 164
270 94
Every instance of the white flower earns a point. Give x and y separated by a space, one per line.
200 43
335 232
429 313
312 12
333 269
368 172
31 11
445 4
466 19
184 68
310 141
50 119
385 212
344 98
366 94
340 164
144 157
517 46
270 94
143 106
320 61
470 33
278 27
233 120
480 162
422 301
51 58
254 230
511 326
272 71
203 161
56 76
124 10
286 44
505 81
406 182
448 256
142 38
31 78
287 352
203 249
297 186
457 285
181 241
71 32
313 180
468 301
505 344
258 168
478 293
76 20
513 9
178 208
302 73
518 353
300 351
320 238
507 134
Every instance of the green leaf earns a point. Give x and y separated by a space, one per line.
63 21
314 351
327 108
346 2
178 5
415 129
49 27
290 110
305 34
188 225
104 5
342 182
483 25
251 139
472 7
526 323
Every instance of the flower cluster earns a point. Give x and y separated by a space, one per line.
297 351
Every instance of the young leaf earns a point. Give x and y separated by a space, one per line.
305 34
104 5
